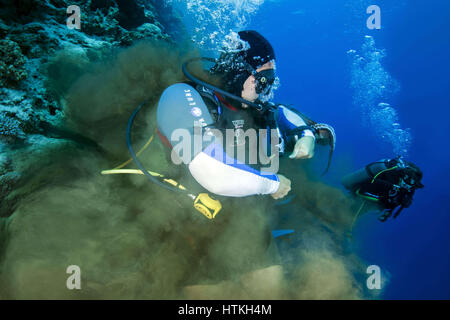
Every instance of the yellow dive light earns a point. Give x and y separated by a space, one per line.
207 205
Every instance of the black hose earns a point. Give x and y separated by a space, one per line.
133 154
188 75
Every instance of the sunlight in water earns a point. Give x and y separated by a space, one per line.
209 21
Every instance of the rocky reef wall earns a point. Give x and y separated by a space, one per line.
36 46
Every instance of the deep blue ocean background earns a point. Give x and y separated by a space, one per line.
311 40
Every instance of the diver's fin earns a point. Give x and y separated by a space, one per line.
279 233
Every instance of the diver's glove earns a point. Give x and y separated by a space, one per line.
304 148
283 189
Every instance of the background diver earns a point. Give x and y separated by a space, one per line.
386 186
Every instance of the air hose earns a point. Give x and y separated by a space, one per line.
133 154
188 75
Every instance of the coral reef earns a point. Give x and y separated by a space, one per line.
37 47
12 64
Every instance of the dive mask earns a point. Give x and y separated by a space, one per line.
264 80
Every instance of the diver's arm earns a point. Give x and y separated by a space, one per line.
288 119
305 144
231 180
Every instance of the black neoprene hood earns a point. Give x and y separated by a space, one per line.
260 51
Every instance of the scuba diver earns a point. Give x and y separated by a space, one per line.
238 250
247 74
388 184
239 241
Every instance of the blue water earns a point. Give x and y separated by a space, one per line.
311 39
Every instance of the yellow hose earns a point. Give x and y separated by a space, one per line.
119 170
357 215
137 154
376 176
129 171
137 171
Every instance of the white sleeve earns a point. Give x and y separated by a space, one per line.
228 180
290 119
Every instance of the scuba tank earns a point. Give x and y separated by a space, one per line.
389 182
364 175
